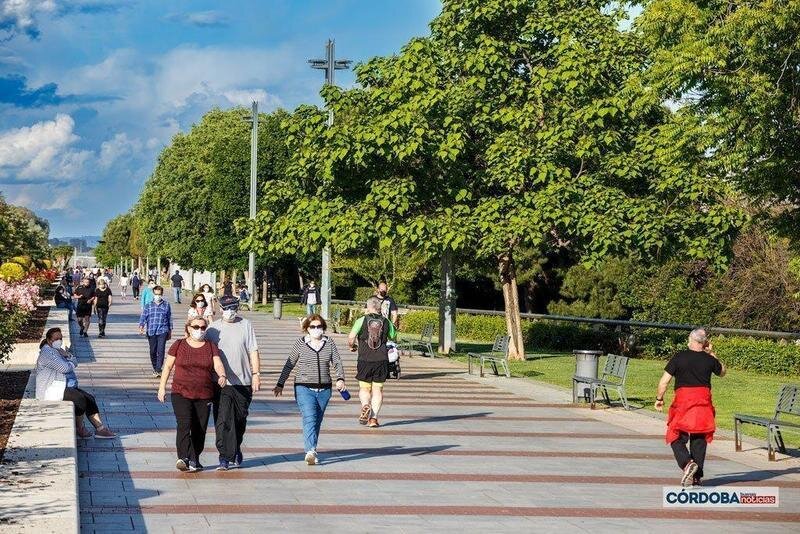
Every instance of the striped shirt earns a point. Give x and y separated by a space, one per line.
313 366
157 317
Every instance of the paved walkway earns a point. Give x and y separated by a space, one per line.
453 454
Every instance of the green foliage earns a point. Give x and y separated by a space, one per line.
764 356
22 233
11 321
116 239
201 185
596 292
26 262
734 68
363 293
12 271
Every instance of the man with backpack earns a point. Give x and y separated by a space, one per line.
136 282
369 336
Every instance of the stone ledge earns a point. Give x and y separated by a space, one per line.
39 477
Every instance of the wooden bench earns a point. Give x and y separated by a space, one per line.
788 404
613 377
498 355
425 341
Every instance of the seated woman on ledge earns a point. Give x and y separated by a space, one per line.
56 380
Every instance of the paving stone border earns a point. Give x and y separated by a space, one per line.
39 490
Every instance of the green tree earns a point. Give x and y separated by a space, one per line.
116 239
201 186
22 233
61 255
517 123
733 67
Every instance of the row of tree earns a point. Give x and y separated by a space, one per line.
517 130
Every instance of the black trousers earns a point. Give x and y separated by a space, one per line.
102 317
696 451
230 419
135 292
84 402
192 418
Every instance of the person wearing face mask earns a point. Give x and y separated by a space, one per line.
156 322
102 304
136 283
199 308
311 297
197 367
238 348
208 293
147 293
56 380
388 305
313 355
83 311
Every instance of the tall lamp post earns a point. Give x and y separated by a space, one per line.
251 265
330 65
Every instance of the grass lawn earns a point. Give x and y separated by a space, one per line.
290 309
737 392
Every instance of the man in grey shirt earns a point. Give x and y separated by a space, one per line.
238 348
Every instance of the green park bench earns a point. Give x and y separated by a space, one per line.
498 355
423 344
788 405
613 377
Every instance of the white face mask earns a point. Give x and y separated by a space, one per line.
157 298
197 335
57 344
200 304
229 315
315 333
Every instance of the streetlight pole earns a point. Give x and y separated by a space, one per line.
330 65
251 265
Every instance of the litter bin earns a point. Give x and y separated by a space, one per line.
277 309
586 362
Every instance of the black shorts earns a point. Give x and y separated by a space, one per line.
372 371
84 310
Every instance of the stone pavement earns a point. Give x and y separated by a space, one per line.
453 454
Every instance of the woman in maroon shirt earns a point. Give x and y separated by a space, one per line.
197 366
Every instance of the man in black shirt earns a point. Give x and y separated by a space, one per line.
691 415
177 285
388 305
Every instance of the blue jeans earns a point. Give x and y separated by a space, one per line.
312 406
310 309
176 293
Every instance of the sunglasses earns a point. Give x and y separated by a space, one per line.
315 327
199 301
198 327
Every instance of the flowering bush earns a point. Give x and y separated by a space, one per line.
11 271
22 295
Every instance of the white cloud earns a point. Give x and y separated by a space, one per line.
21 16
42 152
36 198
118 147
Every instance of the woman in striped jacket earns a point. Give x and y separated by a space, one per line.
313 354
56 380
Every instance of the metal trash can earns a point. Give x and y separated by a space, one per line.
277 308
586 362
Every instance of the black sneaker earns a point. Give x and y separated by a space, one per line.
193 467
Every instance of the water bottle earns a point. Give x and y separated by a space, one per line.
345 394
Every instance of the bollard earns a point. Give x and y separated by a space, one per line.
277 308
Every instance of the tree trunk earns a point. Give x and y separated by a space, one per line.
508 277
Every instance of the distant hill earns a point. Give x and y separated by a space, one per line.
84 243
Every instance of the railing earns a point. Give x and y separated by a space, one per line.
608 322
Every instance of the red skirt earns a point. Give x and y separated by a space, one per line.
691 412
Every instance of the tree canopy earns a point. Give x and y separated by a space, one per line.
516 123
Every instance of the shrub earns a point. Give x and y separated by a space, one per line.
11 271
761 355
25 261
363 293
11 322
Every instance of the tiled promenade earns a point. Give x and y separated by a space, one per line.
452 455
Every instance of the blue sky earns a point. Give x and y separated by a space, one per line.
92 90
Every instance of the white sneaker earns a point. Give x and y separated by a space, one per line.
311 458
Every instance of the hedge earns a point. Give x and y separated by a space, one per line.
760 355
